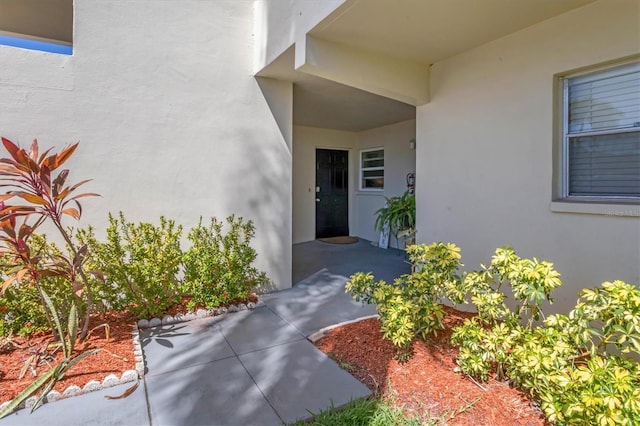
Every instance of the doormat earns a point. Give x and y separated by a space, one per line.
339 240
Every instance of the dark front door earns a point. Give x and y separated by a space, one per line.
332 193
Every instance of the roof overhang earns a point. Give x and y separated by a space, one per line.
385 49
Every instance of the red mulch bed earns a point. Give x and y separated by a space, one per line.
426 385
115 357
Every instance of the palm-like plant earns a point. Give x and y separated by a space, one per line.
400 214
30 177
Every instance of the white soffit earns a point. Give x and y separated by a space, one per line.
427 31
318 102
423 31
322 103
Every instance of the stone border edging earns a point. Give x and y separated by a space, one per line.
110 380
129 376
314 337
200 313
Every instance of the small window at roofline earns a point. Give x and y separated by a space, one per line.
372 169
601 134
43 46
44 25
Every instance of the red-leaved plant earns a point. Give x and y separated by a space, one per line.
29 176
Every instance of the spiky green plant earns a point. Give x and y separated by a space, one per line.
47 381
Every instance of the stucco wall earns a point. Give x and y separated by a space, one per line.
485 144
399 160
169 117
280 23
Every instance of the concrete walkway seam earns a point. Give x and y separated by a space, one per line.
251 377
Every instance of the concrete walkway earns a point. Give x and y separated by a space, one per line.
246 368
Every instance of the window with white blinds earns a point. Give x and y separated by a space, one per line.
602 133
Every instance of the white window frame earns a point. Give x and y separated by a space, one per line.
566 136
366 169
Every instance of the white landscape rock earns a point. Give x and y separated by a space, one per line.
91 386
72 390
54 395
30 402
110 380
129 376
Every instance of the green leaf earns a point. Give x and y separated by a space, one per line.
73 327
56 320
27 392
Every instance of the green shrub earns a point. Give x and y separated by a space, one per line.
580 366
218 265
411 305
603 317
139 264
577 364
22 310
574 364
604 390
487 342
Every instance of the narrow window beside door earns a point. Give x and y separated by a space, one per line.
372 169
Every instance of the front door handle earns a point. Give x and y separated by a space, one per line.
317 200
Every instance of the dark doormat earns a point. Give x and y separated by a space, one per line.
339 240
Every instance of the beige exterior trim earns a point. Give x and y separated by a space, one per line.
617 210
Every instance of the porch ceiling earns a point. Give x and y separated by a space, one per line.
428 31
322 103
412 31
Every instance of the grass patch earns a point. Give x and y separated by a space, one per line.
370 412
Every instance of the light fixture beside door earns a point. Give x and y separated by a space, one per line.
411 182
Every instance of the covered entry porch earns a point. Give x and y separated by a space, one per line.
320 271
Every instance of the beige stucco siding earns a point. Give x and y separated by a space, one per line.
485 145
399 159
281 23
169 117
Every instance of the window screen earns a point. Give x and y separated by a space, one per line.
602 133
372 169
